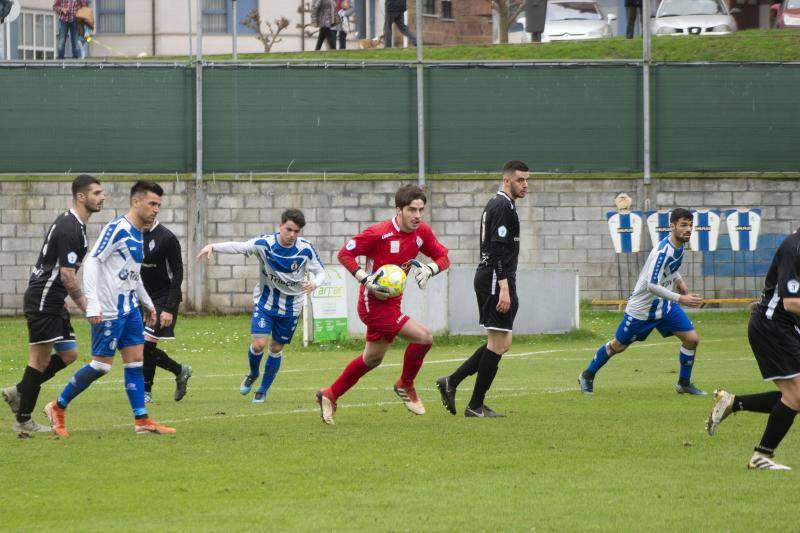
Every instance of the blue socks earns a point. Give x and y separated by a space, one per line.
134 387
81 380
255 361
687 362
600 358
270 371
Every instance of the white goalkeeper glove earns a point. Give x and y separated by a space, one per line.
369 281
423 273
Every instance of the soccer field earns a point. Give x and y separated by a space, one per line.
634 456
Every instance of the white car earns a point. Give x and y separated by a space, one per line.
567 20
693 17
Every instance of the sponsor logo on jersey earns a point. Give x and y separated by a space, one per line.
127 274
351 245
394 247
386 235
793 286
502 231
72 257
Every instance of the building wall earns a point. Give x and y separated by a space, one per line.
563 225
471 23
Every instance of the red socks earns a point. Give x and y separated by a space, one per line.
412 362
354 370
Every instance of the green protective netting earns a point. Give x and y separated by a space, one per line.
96 119
738 117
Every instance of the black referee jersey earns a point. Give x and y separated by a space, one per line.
500 236
65 245
162 268
782 281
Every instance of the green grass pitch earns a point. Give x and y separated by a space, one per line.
634 456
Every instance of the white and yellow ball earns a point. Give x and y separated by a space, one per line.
392 277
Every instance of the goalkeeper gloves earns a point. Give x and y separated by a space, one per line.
370 282
423 273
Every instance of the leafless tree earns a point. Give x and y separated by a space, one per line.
507 13
268 35
305 23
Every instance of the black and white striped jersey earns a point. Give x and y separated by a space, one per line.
65 245
783 281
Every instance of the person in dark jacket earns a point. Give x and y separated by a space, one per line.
633 8
324 16
394 15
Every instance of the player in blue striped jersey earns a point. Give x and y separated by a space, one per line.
654 305
278 299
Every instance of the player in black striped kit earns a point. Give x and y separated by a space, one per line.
774 335
496 290
162 275
53 278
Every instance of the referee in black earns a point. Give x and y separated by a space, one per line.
774 335
496 289
53 278
162 275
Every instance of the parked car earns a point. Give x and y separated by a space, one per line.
693 17
567 20
787 14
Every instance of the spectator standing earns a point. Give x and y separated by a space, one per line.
68 23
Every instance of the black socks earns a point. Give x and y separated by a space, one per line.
467 368
757 403
487 369
778 424
153 357
29 389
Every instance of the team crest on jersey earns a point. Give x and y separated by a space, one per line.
419 241
295 264
262 323
72 257
394 247
502 231
152 245
351 245
793 286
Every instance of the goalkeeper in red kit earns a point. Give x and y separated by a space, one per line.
397 241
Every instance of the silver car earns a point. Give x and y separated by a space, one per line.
693 17
567 20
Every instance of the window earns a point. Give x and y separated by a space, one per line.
110 16
218 15
447 9
37 36
215 16
428 7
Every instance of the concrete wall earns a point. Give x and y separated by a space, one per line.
563 225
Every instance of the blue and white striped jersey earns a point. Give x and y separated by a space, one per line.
661 268
111 276
283 270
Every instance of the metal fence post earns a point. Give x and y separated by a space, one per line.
420 100
646 95
198 278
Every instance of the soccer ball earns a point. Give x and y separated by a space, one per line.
392 277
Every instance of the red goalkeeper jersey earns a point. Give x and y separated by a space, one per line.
384 243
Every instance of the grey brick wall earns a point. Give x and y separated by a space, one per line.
563 224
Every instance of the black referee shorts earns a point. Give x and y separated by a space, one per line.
44 328
157 331
776 346
487 290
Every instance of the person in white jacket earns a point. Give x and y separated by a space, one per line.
114 294
285 258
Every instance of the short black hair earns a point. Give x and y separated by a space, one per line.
295 215
146 186
680 213
407 194
514 166
82 183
